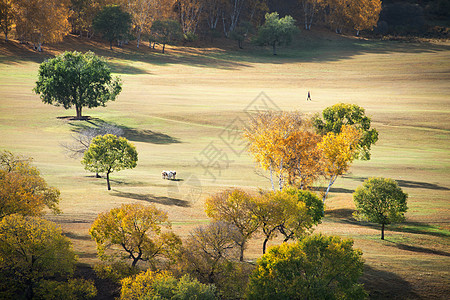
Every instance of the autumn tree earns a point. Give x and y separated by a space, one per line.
166 31
316 267
6 17
22 189
339 151
380 200
364 14
310 8
113 23
189 12
109 153
136 229
41 21
276 32
163 285
32 250
290 212
93 87
338 115
285 144
235 207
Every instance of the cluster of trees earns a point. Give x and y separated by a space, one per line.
41 21
36 260
300 150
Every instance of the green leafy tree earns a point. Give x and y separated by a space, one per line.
32 250
113 23
338 115
241 32
166 31
316 267
276 32
137 229
380 200
22 189
109 153
76 79
163 285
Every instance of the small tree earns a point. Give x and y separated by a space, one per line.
113 23
137 229
316 267
276 32
109 153
380 200
166 31
235 207
32 250
240 32
76 79
22 189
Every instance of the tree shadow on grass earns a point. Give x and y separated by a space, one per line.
340 213
386 285
407 183
152 198
416 248
132 134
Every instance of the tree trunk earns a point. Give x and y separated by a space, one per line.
271 178
241 255
164 47
274 47
110 45
382 231
265 245
78 109
107 180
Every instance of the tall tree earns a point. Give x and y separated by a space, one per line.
166 31
137 229
32 250
316 267
76 79
113 23
310 8
109 153
338 115
190 14
6 17
380 200
339 151
235 207
276 32
22 189
364 14
41 21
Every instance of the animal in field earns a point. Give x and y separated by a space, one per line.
168 175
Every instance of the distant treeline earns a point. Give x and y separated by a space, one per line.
40 21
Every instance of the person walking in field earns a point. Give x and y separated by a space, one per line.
309 97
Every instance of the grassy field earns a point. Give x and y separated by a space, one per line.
178 107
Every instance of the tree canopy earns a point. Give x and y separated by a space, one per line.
76 79
113 23
275 31
109 153
166 31
32 250
22 189
338 115
316 267
137 229
380 200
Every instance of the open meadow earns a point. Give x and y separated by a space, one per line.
180 108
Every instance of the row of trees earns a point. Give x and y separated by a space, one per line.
41 21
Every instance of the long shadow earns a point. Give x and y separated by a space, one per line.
132 134
418 249
408 184
386 285
307 47
153 199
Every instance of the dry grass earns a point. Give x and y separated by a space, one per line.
173 106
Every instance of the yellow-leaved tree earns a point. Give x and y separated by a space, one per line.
339 151
136 229
364 14
285 144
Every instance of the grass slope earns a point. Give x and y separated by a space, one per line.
176 107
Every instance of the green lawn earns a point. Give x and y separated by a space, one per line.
174 106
